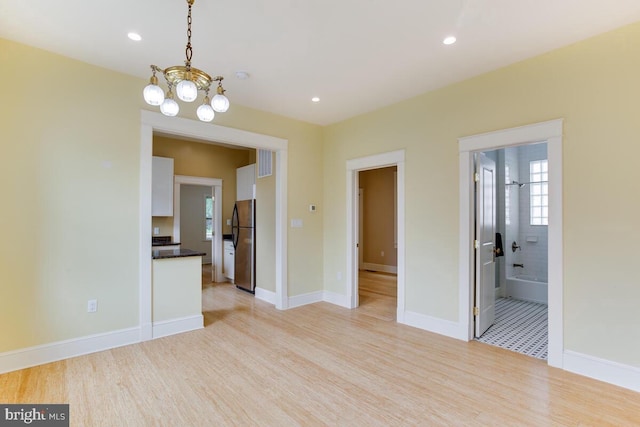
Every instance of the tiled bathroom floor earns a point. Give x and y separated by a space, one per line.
520 326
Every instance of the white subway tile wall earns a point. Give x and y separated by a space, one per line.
533 254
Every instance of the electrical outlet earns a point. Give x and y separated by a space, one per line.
381 253
339 275
92 306
156 231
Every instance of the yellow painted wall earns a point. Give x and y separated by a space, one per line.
595 86
69 186
70 180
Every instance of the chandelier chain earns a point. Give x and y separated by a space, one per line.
187 83
188 50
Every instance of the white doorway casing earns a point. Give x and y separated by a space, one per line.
151 122
551 133
393 158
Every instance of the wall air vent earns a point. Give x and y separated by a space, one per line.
264 163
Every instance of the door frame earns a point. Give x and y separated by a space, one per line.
150 122
360 226
551 133
376 161
216 189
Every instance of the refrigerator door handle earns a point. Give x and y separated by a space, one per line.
235 227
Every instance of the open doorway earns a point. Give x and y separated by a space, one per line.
151 123
512 189
355 167
377 244
551 133
198 218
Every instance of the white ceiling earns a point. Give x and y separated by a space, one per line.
356 55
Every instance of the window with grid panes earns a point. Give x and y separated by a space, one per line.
539 192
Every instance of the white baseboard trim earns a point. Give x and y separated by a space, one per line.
47 353
433 324
304 299
380 267
265 295
175 326
335 298
601 369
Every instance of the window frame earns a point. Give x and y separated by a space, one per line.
208 197
539 192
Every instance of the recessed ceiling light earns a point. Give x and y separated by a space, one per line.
315 99
134 36
242 75
449 40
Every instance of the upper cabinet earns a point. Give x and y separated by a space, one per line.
246 182
162 186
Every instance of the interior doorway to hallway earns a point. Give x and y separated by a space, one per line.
377 242
395 160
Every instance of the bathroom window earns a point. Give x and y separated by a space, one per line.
539 192
507 198
208 217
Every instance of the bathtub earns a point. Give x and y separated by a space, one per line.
527 288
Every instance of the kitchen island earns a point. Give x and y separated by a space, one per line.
176 291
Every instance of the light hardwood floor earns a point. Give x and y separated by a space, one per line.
319 364
378 293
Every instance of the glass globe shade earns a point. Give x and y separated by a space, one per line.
153 94
205 113
187 91
169 107
220 103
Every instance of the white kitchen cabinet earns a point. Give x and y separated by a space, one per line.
245 182
229 259
162 186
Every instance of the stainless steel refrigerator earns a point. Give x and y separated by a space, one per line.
243 232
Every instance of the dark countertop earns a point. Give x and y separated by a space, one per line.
175 253
165 244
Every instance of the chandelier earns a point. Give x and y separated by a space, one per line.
187 81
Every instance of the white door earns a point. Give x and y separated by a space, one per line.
485 236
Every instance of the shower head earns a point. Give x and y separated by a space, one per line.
517 183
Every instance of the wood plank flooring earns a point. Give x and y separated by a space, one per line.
378 293
315 365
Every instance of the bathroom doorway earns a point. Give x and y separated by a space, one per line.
521 250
